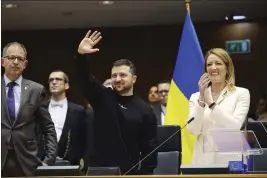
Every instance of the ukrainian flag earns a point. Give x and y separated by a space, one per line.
187 72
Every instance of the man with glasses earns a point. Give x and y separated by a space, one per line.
163 91
23 108
69 119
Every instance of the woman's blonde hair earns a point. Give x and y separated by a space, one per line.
230 70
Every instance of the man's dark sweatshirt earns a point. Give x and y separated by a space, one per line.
124 127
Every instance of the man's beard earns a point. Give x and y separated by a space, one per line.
123 90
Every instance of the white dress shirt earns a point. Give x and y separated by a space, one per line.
16 90
163 111
58 112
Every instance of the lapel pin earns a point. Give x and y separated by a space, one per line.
26 87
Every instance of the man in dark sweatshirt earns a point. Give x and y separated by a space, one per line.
125 127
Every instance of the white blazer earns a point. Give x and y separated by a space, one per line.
230 111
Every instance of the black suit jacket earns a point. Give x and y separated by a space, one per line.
32 110
157 111
73 141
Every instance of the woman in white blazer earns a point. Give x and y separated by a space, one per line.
218 104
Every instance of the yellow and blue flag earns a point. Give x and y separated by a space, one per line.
187 72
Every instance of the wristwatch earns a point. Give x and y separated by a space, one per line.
211 105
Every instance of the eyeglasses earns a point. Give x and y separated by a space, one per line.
13 58
56 79
163 91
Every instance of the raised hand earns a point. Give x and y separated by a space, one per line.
89 41
203 85
208 96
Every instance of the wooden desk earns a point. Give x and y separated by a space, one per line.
177 176
196 176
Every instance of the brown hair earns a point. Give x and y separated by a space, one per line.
126 62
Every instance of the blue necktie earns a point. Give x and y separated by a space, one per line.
11 100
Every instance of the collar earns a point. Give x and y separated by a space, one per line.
64 101
18 81
163 108
223 94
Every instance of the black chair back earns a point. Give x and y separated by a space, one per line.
169 154
164 133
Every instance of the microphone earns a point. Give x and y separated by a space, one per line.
190 120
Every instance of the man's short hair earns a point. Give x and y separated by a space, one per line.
14 44
164 81
126 62
65 76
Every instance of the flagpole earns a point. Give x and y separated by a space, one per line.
187 4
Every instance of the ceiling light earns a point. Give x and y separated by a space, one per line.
235 17
239 17
107 2
10 6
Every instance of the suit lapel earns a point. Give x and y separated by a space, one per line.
157 110
223 95
24 96
4 103
63 141
24 92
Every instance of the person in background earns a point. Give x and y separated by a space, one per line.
107 83
261 112
160 110
69 120
153 97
